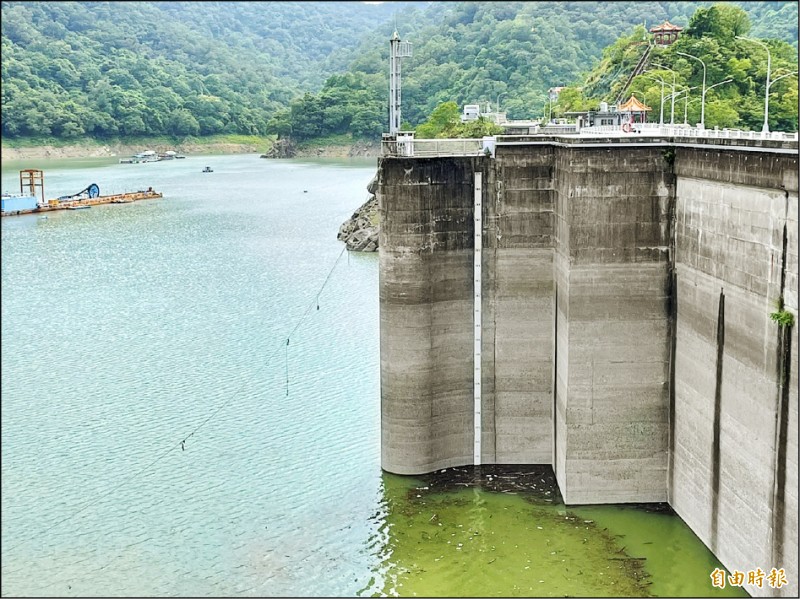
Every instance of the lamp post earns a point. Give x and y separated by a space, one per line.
686 109
771 83
672 110
686 102
720 83
675 95
781 77
703 97
765 128
498 100
661 117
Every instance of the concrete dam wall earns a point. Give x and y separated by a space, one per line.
624 291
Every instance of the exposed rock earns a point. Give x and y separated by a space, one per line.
365 148
86 149
372 186
285 148
282 148
360 231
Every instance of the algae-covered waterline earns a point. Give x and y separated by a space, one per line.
125 327
498 531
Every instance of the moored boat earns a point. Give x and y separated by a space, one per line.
169 155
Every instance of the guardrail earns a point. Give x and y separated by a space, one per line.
654 129
426 148
726 133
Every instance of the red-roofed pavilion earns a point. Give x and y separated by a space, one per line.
666 33
637 110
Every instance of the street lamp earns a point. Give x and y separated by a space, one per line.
703 97
661 118
686 101
498 100
672 111
771 83
686 109
720 83
765 128
675 95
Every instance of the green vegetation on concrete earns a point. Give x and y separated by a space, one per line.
783 317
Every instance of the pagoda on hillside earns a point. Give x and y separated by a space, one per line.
666 33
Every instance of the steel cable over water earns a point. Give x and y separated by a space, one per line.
182 443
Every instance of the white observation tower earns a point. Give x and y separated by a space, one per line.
397 50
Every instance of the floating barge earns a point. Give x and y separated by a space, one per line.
151 156
28 202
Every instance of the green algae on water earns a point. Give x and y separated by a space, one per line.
505 532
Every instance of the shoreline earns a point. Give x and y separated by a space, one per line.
121 150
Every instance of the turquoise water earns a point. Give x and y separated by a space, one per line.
127 327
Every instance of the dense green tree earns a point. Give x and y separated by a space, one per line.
109 68
445 121
182 122
367 123
724 21
280 124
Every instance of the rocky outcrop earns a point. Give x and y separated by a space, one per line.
367 149
282 148
360 231
285 148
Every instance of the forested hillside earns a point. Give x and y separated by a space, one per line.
510 52
113 69
103 69
736 73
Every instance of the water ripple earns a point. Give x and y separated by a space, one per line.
126 329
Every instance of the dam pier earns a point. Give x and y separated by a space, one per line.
603 306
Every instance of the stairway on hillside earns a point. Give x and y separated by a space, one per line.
637 70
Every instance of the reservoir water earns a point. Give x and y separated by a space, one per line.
127 329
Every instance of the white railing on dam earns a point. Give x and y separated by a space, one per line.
428 148
678 131
684 131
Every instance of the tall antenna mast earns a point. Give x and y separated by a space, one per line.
397 50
